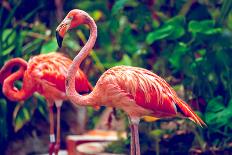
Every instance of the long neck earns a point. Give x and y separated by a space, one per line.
70 80
8 67
7 78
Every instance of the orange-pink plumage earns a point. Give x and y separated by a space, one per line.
141 88
137 91
45 74
51 69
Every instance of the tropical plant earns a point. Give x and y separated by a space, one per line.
186 42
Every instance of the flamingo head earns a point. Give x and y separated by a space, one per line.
73 19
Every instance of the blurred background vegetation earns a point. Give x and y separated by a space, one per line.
187 42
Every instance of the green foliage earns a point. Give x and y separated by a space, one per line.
171 30
225 10
178 52
17 39
24 111
162 33
118 147
206 27
217 114
118 6
3 120
186 42
50 46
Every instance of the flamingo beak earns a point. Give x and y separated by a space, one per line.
59 39
62 29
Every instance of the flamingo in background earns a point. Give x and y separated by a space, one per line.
45 74
135 90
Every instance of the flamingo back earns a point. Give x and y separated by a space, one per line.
52 69
149 91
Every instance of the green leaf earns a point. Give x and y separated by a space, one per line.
212 31
210 118
50 46
215 105
206 27
23 114
178 32
8 36
29 47
218 119
194 27
176 58
229 21
160 33
71 43
229 106
41 106
178 24
119 4
8 50
157 133
131 45
177 20
225 10
200 26
126 60
21 118
202 52
217 114
114 25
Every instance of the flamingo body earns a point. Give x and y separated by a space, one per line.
46 75
50 70
137 91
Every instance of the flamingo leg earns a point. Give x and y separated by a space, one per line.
132 144
57 145
51 122
136 132
135 147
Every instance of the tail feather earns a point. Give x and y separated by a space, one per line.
187 111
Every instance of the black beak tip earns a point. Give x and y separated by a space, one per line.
59 39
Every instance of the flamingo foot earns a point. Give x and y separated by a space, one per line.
57 148
51 148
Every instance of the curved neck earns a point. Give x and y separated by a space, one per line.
70 80
7 69
7 78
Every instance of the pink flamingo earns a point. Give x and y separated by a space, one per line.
45 74
137 91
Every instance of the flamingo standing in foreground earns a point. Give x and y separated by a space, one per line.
45 74
135 90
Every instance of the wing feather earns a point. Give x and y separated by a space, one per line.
150 91
52 69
